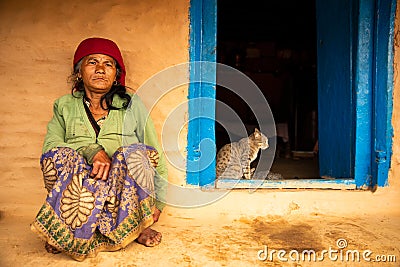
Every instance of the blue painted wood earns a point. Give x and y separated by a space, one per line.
193 138
383 104
335 99
363 92
355 59
201 128
287 184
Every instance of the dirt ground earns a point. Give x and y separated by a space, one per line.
212 237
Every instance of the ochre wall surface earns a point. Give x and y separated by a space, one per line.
37 42
394 175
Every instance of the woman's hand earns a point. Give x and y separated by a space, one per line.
101 165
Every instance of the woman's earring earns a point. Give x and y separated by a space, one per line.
116 83
78 79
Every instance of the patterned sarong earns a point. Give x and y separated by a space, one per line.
82 215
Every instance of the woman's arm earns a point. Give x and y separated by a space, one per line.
55 136
147 134
56 133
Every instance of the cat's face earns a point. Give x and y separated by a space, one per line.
261 139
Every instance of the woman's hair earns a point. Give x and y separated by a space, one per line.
120 90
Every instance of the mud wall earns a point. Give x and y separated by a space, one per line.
37 42
394 175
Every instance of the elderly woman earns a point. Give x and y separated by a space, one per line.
102 164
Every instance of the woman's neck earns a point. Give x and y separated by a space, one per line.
95 101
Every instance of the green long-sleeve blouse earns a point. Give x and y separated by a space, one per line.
70 127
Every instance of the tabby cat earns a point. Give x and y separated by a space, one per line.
233 160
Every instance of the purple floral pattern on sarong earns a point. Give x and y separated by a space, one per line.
82 215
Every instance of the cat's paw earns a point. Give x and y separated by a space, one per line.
247 176
274 176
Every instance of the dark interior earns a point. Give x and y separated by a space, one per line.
274 43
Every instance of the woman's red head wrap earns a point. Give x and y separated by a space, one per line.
101 46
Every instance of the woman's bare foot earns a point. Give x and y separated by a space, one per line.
149 237
50 249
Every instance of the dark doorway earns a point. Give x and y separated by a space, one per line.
274 43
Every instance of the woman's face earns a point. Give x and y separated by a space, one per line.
98 73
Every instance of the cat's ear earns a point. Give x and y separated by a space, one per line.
256 132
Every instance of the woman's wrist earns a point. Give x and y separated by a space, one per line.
90 151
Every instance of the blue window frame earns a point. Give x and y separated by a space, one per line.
371 84
201 129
